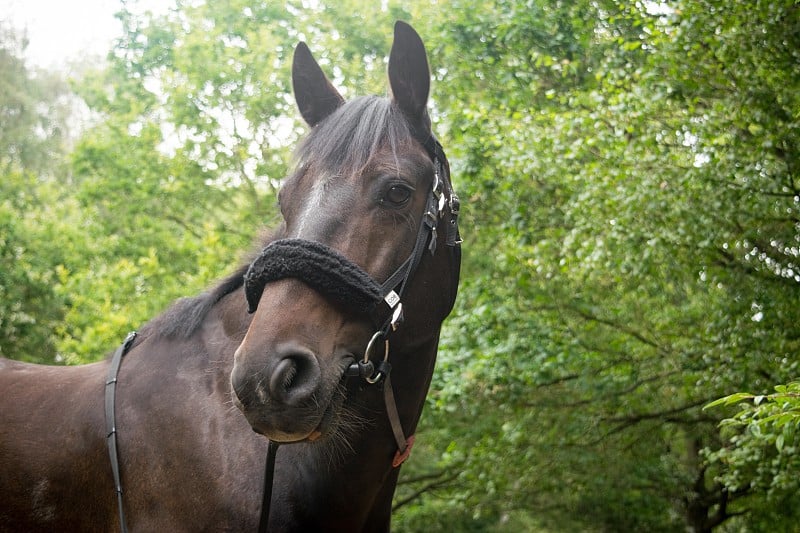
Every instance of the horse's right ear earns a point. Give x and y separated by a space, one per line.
315 95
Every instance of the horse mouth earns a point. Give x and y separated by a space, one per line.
313 421
328 420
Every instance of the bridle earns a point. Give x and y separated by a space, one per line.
347 284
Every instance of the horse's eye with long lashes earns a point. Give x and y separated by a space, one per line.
396 196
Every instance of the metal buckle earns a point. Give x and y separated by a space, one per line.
455 204
397 317
438 186
392 299
437 182
430 219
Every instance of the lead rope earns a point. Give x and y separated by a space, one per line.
403 444
111 425
269 475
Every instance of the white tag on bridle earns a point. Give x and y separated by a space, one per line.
391 299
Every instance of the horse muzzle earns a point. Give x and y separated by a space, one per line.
286 399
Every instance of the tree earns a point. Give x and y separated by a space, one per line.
181 172
629 180
33 133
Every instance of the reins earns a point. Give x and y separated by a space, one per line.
111 423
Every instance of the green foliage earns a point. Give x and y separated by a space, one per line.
763 441
29 308
33 108
632 254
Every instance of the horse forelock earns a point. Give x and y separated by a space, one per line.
345 142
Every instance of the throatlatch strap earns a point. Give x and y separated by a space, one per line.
111 424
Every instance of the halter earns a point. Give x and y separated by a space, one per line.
349 286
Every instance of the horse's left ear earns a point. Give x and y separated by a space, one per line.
409 75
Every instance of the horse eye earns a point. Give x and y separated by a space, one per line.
396 196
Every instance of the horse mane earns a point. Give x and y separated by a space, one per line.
344 142
182 319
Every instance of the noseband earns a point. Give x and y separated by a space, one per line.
347 285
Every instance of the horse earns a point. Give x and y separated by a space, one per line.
324 344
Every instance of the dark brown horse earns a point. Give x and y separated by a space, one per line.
201 378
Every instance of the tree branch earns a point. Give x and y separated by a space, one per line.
624 422
438 479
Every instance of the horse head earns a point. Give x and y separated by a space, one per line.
368 220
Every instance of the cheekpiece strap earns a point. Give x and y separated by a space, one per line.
447 195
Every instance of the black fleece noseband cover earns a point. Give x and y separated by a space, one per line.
322 268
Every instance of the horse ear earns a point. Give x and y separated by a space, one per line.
315 95
409 75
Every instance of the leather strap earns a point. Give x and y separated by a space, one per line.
111 425
403 444
269 475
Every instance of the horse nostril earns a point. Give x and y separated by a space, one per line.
295 377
